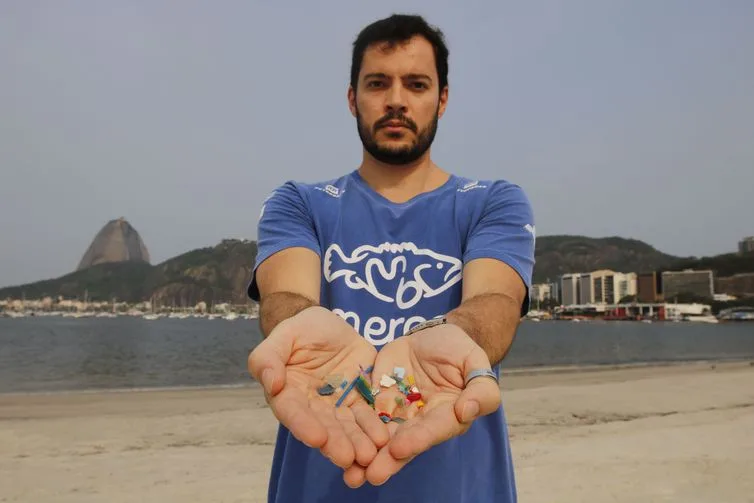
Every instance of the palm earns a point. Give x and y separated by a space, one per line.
438 380
438 359
295 361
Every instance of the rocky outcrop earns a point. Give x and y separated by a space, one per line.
117 241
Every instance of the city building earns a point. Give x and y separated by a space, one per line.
585 289
555 292
569 289
699 283
738 285
541 292
603 287
610 286
626 286
603 291
545 292
649 287
746 245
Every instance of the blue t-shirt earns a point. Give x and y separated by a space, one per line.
387 267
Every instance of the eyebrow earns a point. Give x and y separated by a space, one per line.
412 76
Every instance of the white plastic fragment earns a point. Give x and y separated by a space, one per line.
387 381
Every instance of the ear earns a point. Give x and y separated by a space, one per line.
352 100
443 102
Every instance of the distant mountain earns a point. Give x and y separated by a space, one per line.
220 273
557 255
117 241
213 274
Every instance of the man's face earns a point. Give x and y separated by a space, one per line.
398 101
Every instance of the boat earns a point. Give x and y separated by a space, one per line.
702 318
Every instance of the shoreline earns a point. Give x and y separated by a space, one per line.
531 371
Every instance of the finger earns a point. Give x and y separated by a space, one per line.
367 419
433 427
268 360
481 396
384 466
337 447
291 408
354 476
363 447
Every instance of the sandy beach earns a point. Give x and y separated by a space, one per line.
652 434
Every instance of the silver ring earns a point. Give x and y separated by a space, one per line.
480 373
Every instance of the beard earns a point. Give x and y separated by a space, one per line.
397 155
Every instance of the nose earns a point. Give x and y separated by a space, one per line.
395 101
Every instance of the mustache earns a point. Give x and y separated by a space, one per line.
396 116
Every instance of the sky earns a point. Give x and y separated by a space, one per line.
628 118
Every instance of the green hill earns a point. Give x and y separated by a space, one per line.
220 273
724 265
557 255
126 281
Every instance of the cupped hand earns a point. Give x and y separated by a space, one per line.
295 360
438 359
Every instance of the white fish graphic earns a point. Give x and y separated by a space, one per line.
434 274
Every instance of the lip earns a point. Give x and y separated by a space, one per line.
393 127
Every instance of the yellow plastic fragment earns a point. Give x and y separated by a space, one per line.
420 404
411 380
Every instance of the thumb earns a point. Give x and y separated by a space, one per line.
268 361
481 396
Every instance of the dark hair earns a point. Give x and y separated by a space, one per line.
400 28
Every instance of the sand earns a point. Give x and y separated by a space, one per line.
652 434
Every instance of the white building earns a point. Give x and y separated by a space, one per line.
627 285
610 286
541 292
603 287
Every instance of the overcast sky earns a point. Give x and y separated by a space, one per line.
631 118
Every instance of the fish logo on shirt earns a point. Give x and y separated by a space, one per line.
393 272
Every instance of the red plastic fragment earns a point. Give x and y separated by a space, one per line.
385 417
413 397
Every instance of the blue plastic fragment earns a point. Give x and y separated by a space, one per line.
325 390
350 386
346 392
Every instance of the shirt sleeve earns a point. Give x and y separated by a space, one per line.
284 222
506 232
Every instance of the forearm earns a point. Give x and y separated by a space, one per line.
276 307
491 321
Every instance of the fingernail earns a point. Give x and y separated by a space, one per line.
381 483
470 410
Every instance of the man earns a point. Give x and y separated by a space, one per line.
348 267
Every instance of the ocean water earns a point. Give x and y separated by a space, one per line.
55 354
